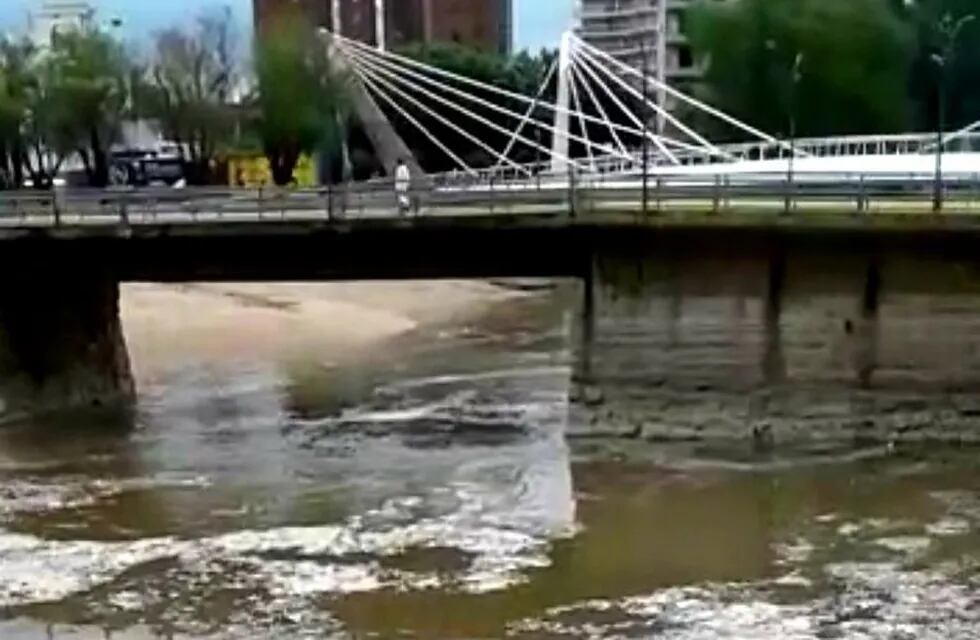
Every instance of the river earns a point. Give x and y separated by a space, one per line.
425 489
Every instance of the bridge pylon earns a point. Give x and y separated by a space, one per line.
389 147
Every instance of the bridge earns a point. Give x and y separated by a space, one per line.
766 290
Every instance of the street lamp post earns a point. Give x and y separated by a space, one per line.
949 31
796 76
644 52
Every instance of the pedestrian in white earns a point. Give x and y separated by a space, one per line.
403 184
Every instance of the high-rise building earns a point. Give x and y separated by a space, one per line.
54 16
480 23
486 24
642 33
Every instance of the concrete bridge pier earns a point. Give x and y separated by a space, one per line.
769 341
61 340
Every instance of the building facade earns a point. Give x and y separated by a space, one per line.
642 33
54 16
485 24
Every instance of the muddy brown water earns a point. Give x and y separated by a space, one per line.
428 492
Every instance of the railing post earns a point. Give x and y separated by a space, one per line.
260 202
716 194
660 187
788 195
973 191
571 190
55 208
491 194
329 201
124 211
727 198
861 204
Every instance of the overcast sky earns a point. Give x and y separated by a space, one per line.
538 23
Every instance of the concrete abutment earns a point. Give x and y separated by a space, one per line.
61 341
699 337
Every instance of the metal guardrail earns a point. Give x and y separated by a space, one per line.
541 195
838 146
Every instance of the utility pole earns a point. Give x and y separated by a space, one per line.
949 31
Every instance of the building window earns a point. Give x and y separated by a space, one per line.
685 58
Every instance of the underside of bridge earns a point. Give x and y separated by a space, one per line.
61 340
765 333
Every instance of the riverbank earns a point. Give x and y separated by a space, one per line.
167 325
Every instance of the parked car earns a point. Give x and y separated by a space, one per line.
141 168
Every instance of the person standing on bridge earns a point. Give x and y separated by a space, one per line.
403 185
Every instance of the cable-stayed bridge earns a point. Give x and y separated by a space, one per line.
600 137
609 119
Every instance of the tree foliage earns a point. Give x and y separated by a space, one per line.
38 126
302 99
962 71
88 76
853 70
522 73
190 85
15 85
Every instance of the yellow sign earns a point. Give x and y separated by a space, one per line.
253 171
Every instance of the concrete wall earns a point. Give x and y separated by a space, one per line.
717 336
61 341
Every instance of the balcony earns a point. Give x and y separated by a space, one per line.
607 32
593 12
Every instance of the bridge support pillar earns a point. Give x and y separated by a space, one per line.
770 343
61 341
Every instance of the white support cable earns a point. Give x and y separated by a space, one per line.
681 96
534 105
629 114
959 133
581 122
369 83
377 58
493 125
598 105
389 56
694 135
438 117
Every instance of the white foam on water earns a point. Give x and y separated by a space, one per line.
33 570
27 495
951 526
287 561
907 545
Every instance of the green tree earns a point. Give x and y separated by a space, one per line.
963 68
855 59
15 80
522 73
302 99
190 86
41 126
87 76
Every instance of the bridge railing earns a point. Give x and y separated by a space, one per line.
545 193
835 146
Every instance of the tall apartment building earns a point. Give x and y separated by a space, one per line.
481 23
55 16
642 33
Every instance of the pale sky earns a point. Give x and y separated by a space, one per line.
538 23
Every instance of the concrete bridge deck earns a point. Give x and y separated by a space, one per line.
697 321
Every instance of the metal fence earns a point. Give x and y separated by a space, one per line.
570 195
